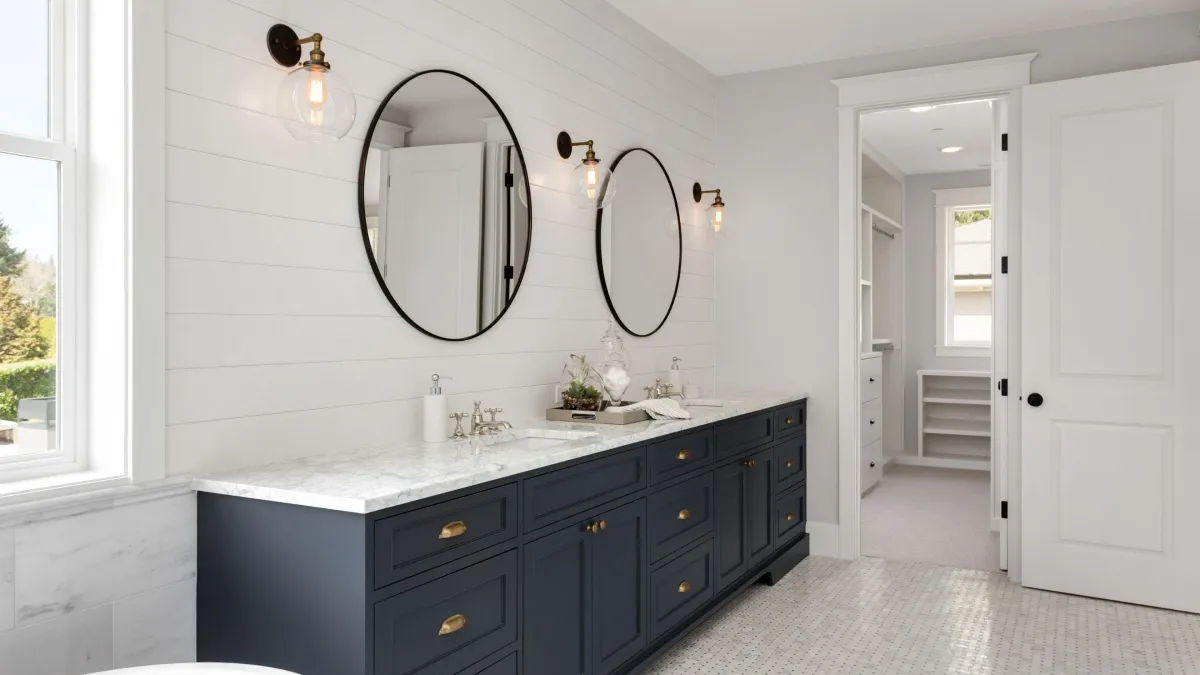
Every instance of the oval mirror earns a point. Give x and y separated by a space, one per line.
444 205
639 244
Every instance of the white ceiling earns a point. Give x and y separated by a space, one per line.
909 141
737 36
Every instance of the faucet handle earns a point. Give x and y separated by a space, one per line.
458 428
477 404
492 412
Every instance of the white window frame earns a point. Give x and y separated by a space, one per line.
946 202
111 306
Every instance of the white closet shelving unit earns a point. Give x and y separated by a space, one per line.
954 419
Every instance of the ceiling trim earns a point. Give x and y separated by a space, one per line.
883 161
936 82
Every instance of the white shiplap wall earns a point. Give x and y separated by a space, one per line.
279 342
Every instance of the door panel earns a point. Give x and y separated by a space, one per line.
731 523
619 568
1110 460
760 507
557 600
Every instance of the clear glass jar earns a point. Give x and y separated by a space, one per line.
616 371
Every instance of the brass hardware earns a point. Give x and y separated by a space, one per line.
684 587
749 462
565 144
788 464
788 421
453 624
284 45
790 516
603 525
683 454
594 528
684 514
452 530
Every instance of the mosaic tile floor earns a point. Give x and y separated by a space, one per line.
876 617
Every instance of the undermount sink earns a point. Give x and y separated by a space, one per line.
533 439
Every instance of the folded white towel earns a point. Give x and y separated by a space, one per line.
658 408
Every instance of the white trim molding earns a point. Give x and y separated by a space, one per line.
823 539
937 82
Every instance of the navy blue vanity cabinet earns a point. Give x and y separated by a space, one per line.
591 566
585 594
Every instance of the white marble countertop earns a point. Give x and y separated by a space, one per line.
371 480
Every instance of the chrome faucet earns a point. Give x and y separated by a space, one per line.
480 428
660 389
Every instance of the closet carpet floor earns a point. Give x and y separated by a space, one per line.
881 617
940 516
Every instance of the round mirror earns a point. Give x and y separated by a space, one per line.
639 244
444 204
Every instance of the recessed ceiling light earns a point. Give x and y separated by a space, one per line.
935 129
952 149
922 108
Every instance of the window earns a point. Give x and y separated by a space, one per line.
39 230
964 273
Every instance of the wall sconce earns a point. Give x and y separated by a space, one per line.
313 103
593 186
718 206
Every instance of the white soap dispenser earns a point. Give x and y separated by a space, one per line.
675 376
435 413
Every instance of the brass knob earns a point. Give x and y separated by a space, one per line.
603 525
452 530
790 516
788 421
683 454
684 587
750 462
684 514
452 624
788 464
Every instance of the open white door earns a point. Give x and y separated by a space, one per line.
434 234
1111 295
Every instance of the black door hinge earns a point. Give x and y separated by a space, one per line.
508 271
1004 510
508 180
1004 264
1004 142
1004 387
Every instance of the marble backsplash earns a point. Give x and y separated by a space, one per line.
110 588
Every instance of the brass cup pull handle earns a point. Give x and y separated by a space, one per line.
596 528
790 516
603 525
452 530
788 464
684 587
453 624
788 421
750 462
683 454
684 514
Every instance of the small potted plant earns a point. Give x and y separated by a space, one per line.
580 393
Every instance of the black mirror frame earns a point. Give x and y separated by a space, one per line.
600 257
362 206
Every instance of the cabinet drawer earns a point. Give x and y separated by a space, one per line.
444 626
871 374
872 465
679 455
790 462
790 419
743 433
425 538
505 666
791 515
560 494
680 587
679 515
870 421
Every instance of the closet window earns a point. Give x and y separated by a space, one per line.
964 295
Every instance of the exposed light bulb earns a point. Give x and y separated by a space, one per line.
316 87
592 178
718 217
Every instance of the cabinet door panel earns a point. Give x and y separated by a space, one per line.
557 598
619 569
760 507
731 557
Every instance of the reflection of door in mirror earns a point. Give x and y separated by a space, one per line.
433 243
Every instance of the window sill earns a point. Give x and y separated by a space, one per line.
64 495
963 352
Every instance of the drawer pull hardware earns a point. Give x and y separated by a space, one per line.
872 465
596 528
453 624
750 462
684 514
790 516
451 530
684 587
788 464
872 422
871 379
788 421
603 525
683 454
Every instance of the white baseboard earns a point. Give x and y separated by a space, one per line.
824 539
972 464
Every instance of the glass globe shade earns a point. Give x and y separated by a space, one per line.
315 104
593 185
716 218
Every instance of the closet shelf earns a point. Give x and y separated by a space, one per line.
885 223
955 427
959 396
